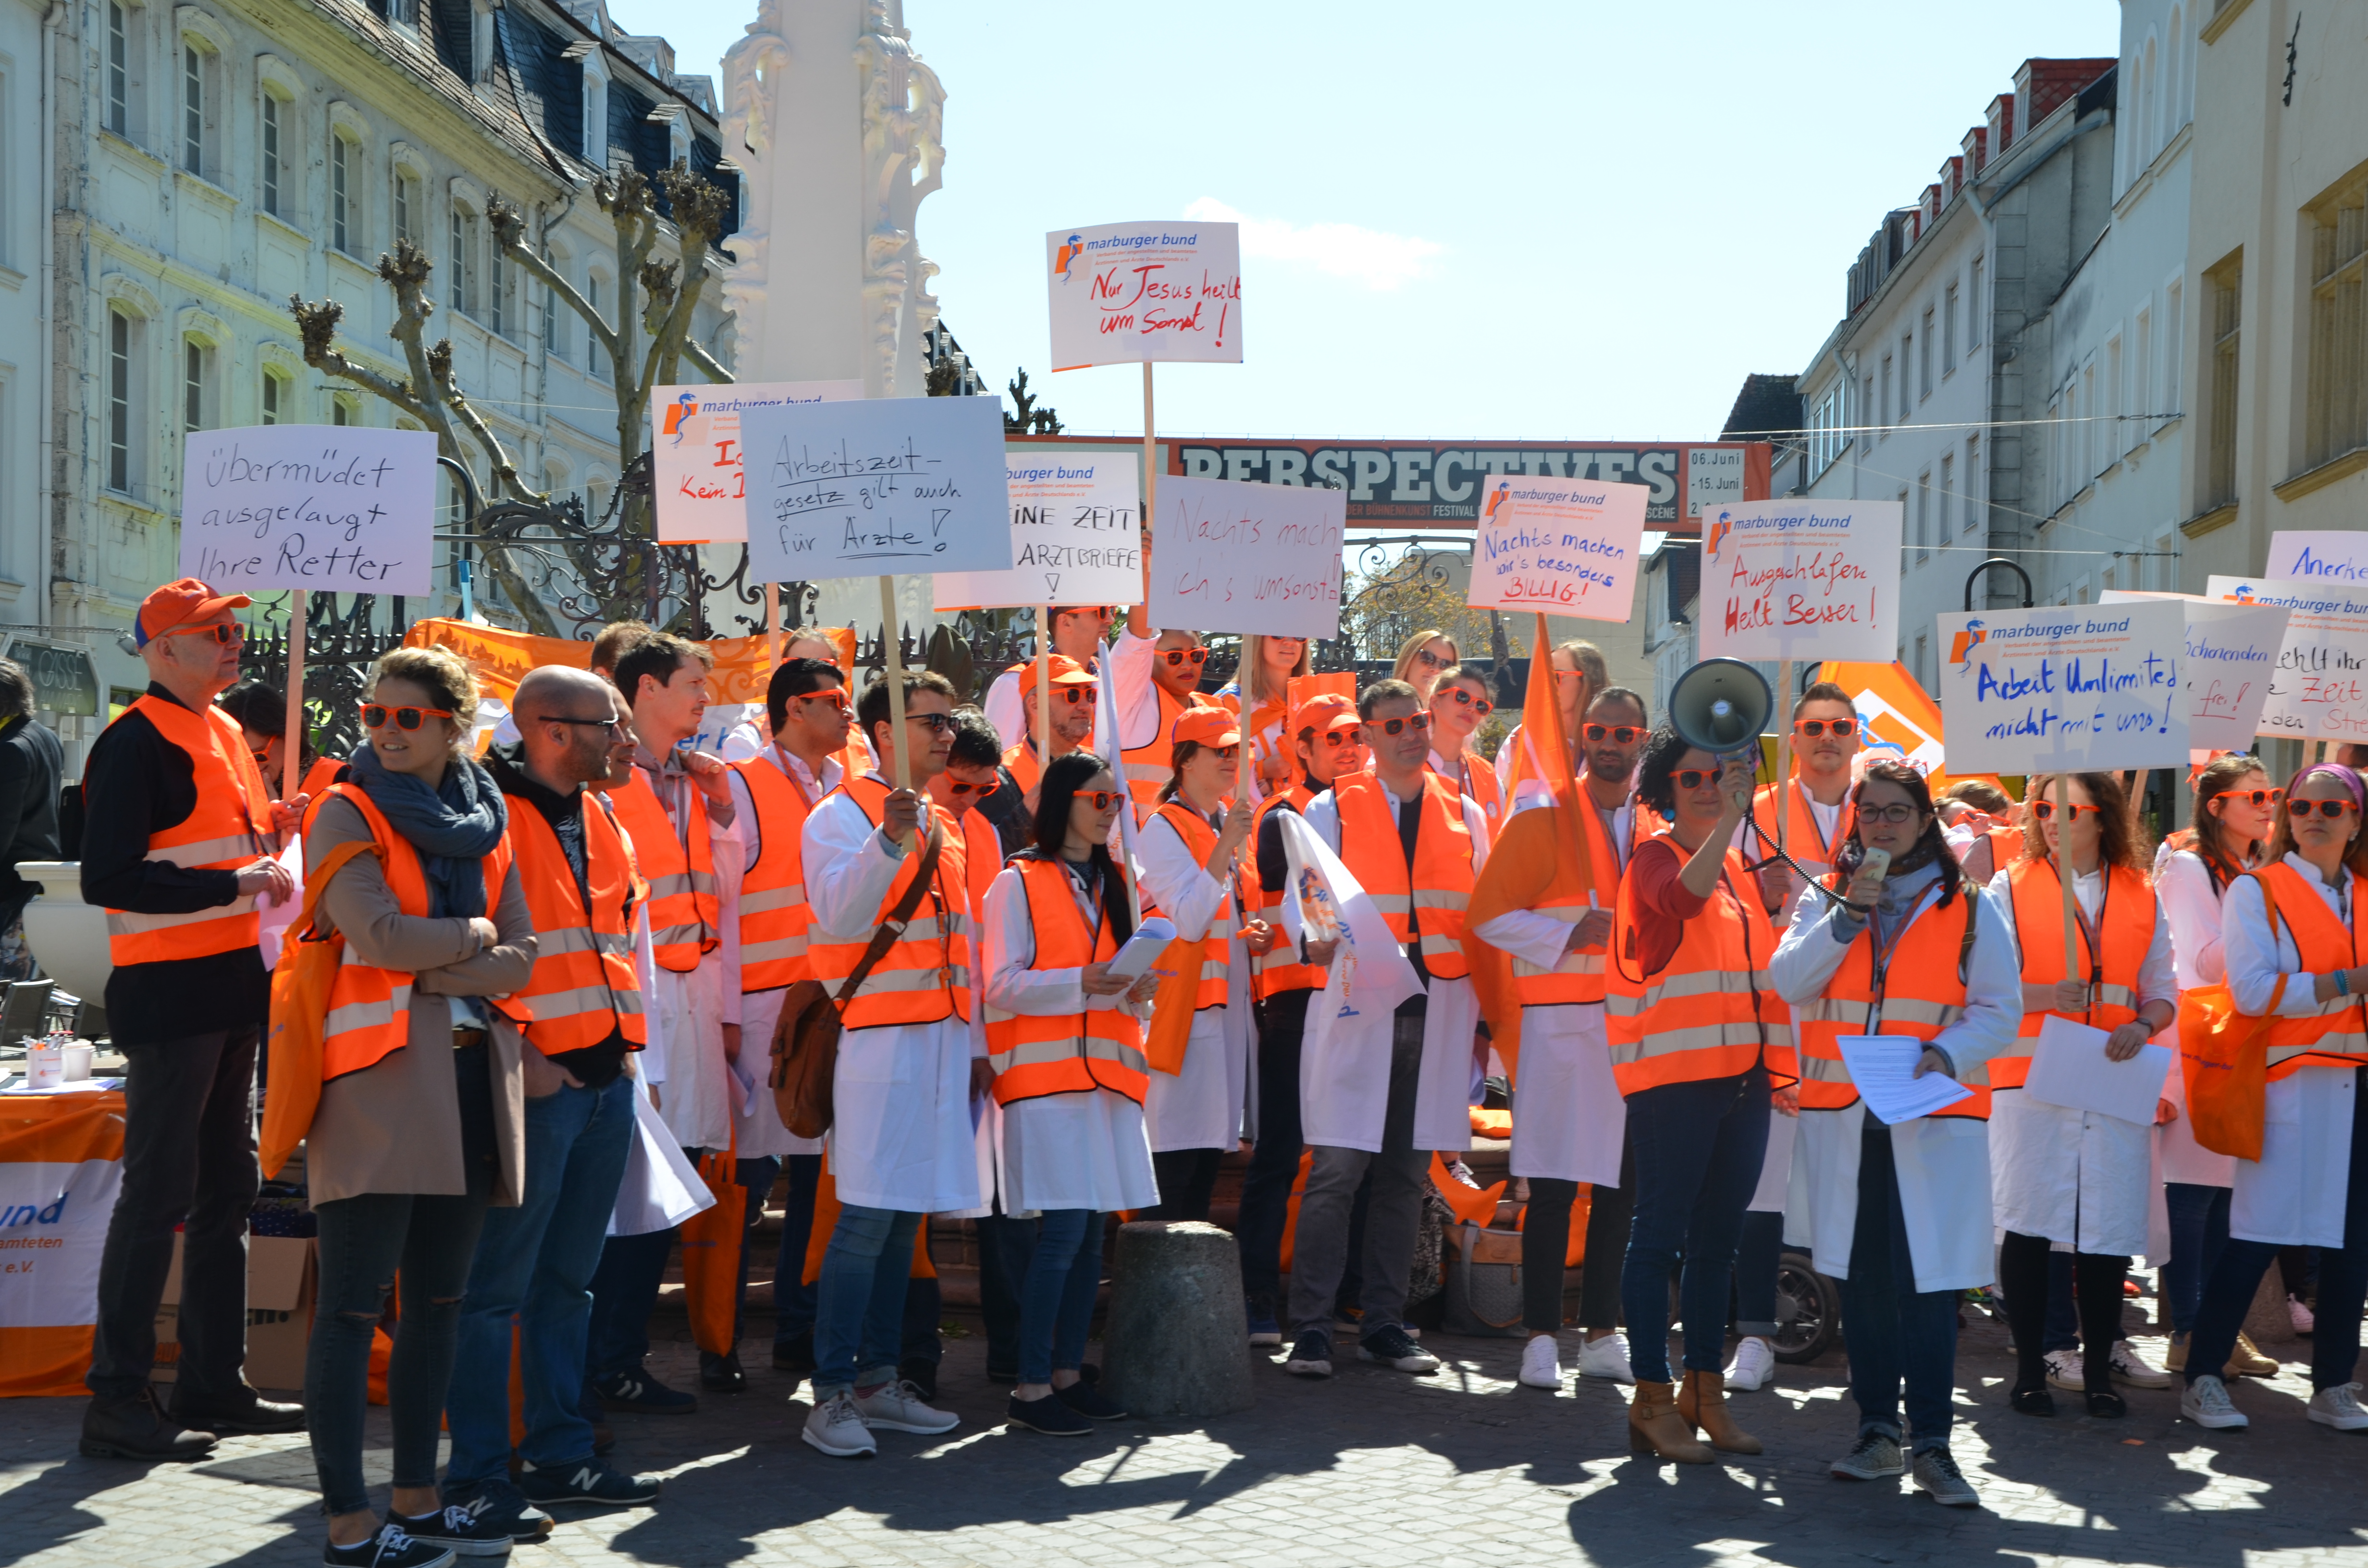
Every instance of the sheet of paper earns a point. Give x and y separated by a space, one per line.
1884 1067
1263 558
1142 948
2317 689
1076 526
2065 687
2069 1068
1800 579
1126 292
1563 546
699 484
346 508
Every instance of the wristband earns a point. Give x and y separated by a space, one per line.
2342 983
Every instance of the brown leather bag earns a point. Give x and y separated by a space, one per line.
805 1041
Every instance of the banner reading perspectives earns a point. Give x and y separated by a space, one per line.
1244 558
2318 690
2231 650
1561 546
2064 688
1801 579
339 509
2323 556
1123 293
695 452
1075 533
868 488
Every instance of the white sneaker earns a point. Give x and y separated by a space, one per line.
2206 1404
2339 1407
2130 1367
1606 1358
1541 1362
836 1427
897 1407
1754 1364
2065 1371
2300 1316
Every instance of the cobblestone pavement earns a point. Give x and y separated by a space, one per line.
1372 1468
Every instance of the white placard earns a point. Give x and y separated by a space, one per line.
695 452
337 508
2069 1068
2231 651
1234 557
2322 556
863 489
1122 293
1562 546
1076 532
1801 579
2318 690
2064 688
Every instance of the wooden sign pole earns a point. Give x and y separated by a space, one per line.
772 630
1043 688
893 656
1783 717
291 756
2064 872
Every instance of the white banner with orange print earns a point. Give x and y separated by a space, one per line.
61 1163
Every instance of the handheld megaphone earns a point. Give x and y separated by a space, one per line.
1720 706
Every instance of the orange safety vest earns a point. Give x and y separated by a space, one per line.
1147 769
2317 1039
1064 1054
584 987
1711 1012
925 976
982 849
1479 781
1215 943
773 913
1578 978
2005 846
1802 840
2129 920
1280 970
1426 904
228 828
321 775
370 1008
686 913
1922 993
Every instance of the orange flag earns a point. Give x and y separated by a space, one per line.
1901 721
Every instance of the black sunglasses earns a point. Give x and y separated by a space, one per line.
1419 723
1619 734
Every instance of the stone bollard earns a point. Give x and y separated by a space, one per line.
1175 1343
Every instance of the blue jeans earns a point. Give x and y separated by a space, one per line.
860 1300
625 1293
1897 1331
1699 1148
793 1298
1057 1307
1758 1257
533 1268
1006 1249
2199 1229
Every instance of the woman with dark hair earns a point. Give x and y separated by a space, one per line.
2061 1175
2300 968
1065 1038
1900 1214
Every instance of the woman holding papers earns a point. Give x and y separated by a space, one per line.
1198 1047
2061 1174
1065 1038
2301 969
1899 1213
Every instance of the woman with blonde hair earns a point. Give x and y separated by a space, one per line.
1424 657
1258 695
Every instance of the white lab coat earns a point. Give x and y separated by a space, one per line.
700 1101
1080 1151
2183 887
1942 1161
2295 1194
2077 1177
762 1134
902 1136
1200 1106
1343 1103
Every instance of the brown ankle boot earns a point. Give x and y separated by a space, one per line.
1702 1403
1656 1427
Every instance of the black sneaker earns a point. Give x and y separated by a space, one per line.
722 1374
465 1530
243 1411
1048 1416
1089 1402
1007 1376
390 1546
588 1480
1310 1355
637 1390
502 1504
1390 1346
794 1355
922 1375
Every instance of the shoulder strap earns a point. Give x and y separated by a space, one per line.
1972 917
892 929
331 864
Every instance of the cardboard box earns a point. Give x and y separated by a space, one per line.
282 1277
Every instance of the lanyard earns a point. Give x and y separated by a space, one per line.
2092 934
1879 952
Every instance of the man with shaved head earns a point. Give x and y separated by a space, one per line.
581 1015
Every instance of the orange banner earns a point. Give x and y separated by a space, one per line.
502 658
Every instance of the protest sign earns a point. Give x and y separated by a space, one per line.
2064 688
1559 546
2319 556
1075 533
1130 293
1801 579
867 488
2231 650
343 508
2318 690
1262 558
695 453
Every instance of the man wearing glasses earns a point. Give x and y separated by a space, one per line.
1158 676
176 848
1078 633
1825 738
1069 695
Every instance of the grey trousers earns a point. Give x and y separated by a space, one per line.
1393 1215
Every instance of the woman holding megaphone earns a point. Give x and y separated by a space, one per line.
1899 1214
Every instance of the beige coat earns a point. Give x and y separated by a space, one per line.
396 1127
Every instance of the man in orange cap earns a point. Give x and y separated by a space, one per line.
176 848
1071 699
1078 633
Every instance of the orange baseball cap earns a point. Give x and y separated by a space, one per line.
1206 726
178 604
1323 713
1063 670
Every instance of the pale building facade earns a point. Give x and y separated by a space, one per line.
25 280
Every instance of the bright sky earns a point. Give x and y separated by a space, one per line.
1549 222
